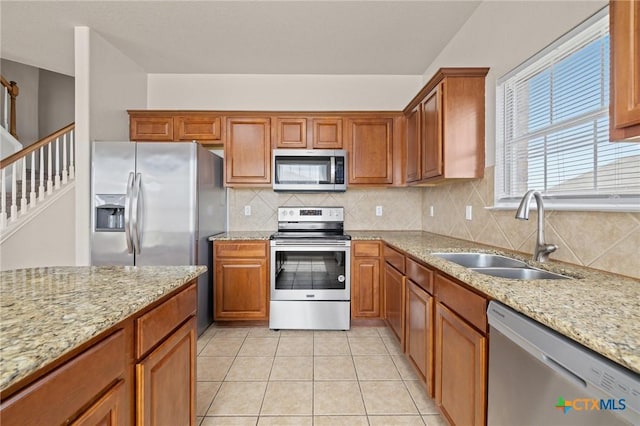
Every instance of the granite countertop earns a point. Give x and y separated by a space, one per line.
47 312
597 309
242 235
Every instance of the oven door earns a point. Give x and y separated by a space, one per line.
305 270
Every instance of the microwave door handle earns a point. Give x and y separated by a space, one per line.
333 169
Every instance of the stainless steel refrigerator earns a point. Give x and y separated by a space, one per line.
157 204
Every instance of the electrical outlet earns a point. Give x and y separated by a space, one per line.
247 210
431 212
468 212
378 210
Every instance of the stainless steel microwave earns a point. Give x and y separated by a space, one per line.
309 170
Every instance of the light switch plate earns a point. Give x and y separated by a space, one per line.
431 212
247 210
468 212
378 210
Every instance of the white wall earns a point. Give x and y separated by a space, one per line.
47 240
282 92
56 102
503 34
27 101
107 84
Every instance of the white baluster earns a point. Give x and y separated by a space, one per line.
3 202
57 176
64 158
32 194
23 200
41 184
72 167
14 188
49 170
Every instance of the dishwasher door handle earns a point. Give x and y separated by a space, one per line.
564 371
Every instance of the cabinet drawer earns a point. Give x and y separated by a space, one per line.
469 305
155 325
59 396
394 258
366 249
240 249
420 275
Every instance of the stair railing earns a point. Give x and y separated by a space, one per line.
10 91
52 158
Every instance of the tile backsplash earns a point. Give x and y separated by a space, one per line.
600 240
400 208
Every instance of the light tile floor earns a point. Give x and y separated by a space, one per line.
256 376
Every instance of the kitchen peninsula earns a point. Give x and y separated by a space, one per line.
87 343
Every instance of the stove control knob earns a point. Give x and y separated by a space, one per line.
290 212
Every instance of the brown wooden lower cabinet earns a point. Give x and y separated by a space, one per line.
165 380
394 300
241 286
366 285
97 385
419 332
110 410
461 369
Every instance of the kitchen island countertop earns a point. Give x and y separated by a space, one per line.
47 312
597 309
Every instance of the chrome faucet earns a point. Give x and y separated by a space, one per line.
542 250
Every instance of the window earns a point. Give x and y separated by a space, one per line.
553 128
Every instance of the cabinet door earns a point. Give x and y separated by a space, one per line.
624 107
393 298
370 146
460 369
419 331
240 289
151 128
291 132
365 287
413 145
247 151
327 133
431 144
166 380
109 410
199 127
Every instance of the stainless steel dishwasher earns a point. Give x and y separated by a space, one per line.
539 377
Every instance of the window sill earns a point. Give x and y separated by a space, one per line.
628 206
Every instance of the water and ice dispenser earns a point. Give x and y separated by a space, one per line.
109 212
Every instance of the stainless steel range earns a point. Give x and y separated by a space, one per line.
310 270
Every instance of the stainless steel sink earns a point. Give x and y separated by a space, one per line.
481 260
520 273
499 266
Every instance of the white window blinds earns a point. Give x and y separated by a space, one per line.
553 127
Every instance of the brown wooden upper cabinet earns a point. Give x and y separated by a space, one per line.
327 133
168 126
291 132
247 151
308 132
200 127
370 150
445 128
624 107
150 127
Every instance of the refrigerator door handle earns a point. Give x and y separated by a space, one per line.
136 210
127 213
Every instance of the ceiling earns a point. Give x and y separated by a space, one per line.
239 37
